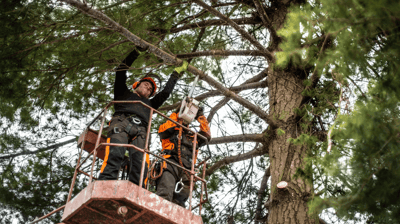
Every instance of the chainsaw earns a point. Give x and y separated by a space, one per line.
189 106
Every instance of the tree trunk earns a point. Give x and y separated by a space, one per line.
289 204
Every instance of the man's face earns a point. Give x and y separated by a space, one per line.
144 89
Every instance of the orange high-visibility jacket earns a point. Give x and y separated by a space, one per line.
169 133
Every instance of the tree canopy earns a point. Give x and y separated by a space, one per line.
305 92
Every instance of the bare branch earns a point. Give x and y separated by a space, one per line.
262 13
170 59
240 30
212 93
240 157
260 193
226 99
221 53
267 23
258 77
238 138
216 108
39 150
184 21
196 45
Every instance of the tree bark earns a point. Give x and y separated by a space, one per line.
288 205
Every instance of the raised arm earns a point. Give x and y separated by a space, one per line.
162 96
120 76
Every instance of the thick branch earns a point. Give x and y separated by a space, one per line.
239 29
232 159
170 59
221 53
226 99
238 138
215 22
258 77
39 150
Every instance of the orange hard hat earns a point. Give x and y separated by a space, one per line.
146 79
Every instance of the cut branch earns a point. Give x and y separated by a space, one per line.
240 30
170 59
221 53
39 150
232 159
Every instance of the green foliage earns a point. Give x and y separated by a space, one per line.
56 65
372 173
37 185
304 139
362 43
280 132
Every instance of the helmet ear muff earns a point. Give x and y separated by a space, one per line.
135 85
151 81
146 79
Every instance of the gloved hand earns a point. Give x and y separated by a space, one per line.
183 68
200 112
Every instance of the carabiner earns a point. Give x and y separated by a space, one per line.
136 120
177 186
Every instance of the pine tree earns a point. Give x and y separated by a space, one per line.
294 78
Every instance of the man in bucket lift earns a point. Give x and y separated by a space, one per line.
129 122
178 151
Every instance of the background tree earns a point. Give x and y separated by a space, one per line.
277 77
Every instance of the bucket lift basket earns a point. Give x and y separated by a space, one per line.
121 201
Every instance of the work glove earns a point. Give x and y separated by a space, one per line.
200 112
182 68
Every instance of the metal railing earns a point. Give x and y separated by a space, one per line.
102 115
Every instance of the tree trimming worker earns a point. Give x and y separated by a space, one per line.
129 122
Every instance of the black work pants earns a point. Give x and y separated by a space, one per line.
114 156
167 182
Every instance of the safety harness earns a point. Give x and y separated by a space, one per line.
154 173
